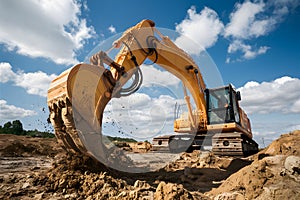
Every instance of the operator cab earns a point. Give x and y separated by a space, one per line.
222 105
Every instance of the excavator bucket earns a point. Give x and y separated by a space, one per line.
76 100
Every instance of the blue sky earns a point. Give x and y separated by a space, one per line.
254 44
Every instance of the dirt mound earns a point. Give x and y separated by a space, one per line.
274 174
136 147
83 178
271 174
206 159
20 146
287 144
263 179
102 185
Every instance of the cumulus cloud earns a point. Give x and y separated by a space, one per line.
36 83
273 106
6 73
202 28
42 28
11 112
157 76
112 29
281 95
140 115
243 19
251 20
248 51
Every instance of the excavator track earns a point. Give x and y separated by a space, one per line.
233 144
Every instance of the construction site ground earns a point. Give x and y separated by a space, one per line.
37 168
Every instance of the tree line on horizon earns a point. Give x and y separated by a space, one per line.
16 128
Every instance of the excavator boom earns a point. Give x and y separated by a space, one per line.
78 96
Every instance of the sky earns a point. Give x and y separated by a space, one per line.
254 45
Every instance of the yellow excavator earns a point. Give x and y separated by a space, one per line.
78 96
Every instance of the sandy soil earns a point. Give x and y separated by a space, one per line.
36 168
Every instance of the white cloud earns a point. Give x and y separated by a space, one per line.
42 28
34 82
243 19
295 127
159 77
273 107
203 28
112 29
247 51
251 20
6 74
141 115
11 112
281 95
268 127
255 19
296 106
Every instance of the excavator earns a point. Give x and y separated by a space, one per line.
78 96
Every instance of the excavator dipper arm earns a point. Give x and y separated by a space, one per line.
77 97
